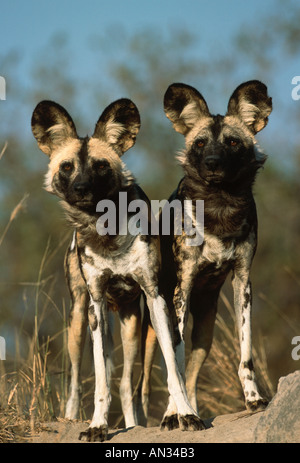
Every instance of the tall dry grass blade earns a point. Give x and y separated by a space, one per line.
13 215
279 312
37 295
292 274
3 149
33 398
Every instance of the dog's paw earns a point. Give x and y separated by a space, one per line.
169 423
94 434
256 405
184 422
191 423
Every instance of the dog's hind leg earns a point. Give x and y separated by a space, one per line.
130 320
203 307
77 328
148 348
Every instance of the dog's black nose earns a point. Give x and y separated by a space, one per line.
212 163
81 188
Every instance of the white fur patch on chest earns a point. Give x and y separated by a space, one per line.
213 250
120 263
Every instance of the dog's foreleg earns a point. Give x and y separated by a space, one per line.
181 305
98 320
181 300
243 308
188 418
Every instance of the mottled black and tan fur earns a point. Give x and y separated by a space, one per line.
220 163
107 271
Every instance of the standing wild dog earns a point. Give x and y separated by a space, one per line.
220 163
106 271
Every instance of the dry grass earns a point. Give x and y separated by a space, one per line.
13 428
32 388
26 396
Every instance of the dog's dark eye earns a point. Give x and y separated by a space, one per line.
201 143
233 142
101 165
66 167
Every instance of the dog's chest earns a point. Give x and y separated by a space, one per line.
215 251
114 275
123 262
214 262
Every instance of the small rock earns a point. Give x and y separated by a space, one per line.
280 422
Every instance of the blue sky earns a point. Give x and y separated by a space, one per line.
28 26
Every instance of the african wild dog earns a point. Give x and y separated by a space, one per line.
106 271
220 163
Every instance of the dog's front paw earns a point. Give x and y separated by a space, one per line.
94 434
191 423
169 423
256 405
184 422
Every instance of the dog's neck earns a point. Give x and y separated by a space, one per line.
227 209
85 223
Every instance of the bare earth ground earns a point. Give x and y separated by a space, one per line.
234 428
278 423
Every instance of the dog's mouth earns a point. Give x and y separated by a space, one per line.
215 177
84 204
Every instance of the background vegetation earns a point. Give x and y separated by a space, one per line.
34 301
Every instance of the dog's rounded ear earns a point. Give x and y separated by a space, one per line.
184 106
119 124
251 103
52 126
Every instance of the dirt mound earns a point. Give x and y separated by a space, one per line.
280 422
237 427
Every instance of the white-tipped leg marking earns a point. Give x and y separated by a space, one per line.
243 298
187 416
98 428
